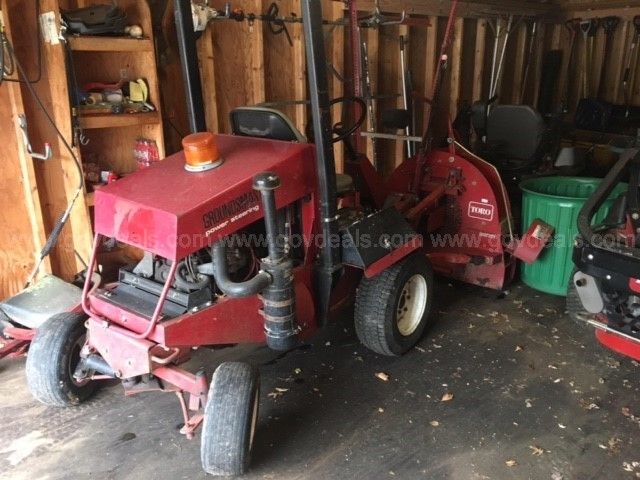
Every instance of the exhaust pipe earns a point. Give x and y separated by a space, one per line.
274 282
279 308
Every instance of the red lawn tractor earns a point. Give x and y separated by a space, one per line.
253 238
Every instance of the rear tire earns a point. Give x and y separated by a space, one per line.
575 310
53 356
392 309
230 419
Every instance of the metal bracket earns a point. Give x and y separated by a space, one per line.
48 151
377 19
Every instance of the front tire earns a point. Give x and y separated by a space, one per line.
230 419
53 356
392 309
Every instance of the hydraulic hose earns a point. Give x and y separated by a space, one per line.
251 287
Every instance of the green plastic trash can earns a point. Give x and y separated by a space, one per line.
557 201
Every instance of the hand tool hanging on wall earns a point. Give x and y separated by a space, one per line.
499 52
532 41
356 63
629 79
573 26
589 29
609 25
407 95
371 107
443 58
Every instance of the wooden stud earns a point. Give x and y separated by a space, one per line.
334 11
455 62
208 79
518 65
254 53
299 71
431 51
615 91
479 58
537 70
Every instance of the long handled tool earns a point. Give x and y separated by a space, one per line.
371 107
532 41
573 26
629 79
497 62
425 146
589 30
407 96
609 25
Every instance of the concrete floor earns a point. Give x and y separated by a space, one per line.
532 398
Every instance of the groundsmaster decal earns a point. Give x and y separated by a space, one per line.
234 210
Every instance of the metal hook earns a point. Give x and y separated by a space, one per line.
48 152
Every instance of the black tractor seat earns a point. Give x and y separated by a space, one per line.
264 122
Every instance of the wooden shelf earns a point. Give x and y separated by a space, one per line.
110 44
115 120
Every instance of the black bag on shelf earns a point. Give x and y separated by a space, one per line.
95 20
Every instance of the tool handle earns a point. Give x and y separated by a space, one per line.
573 25
636 24
590 27
609 24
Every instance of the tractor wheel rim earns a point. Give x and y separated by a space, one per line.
411 305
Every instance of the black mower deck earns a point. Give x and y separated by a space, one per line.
532 397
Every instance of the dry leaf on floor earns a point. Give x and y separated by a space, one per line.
535 450
278 392
382 376
626 411
562 426
434 423
511 463
447 397
380 410
519 348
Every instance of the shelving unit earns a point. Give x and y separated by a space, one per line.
110 44
118 120
112 136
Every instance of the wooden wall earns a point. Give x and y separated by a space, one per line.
242 65
22 233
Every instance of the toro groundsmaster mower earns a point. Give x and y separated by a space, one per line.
607 259
252 238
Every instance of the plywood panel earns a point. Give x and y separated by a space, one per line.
58 178
22 230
